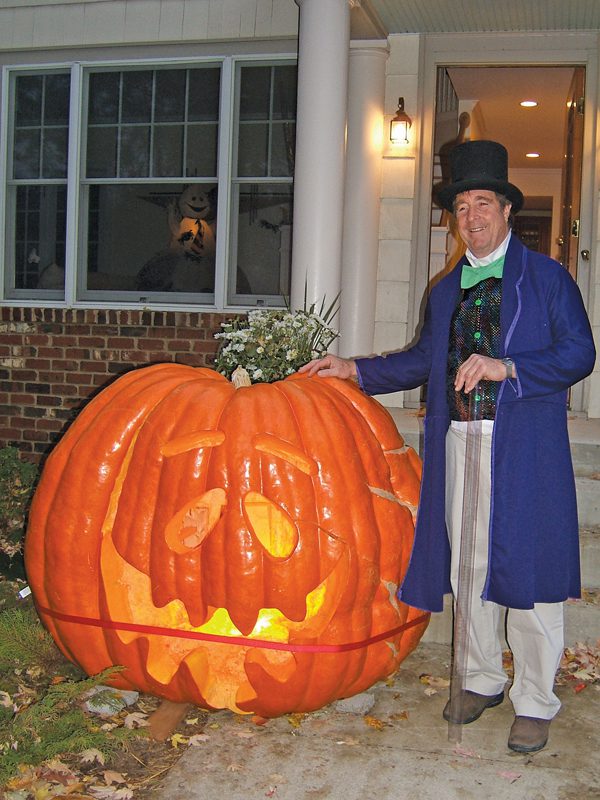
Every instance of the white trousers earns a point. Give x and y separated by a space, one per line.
535 636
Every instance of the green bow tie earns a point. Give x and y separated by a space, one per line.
472 275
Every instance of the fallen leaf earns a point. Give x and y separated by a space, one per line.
178 739
136 720
295 720
198 739
431 680
511 777
92 755
429 691
234 767
271 791
110 777
351 741
399 715
193 721
258 720
244 734
461 751
111 792
373 722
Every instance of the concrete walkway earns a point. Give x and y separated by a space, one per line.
337 754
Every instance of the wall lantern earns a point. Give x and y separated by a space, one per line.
400 124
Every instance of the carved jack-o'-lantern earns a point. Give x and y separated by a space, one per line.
234 548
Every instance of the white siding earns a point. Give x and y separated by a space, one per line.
105 22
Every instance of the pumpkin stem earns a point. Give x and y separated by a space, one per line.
240 378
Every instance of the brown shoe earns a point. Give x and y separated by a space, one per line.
471 706
528 734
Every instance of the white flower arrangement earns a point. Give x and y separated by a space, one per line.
273 343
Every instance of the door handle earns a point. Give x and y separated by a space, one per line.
585 254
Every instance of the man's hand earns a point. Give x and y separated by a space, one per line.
331 367
477 368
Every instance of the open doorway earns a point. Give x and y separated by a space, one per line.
544 140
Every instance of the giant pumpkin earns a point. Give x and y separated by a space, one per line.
233 548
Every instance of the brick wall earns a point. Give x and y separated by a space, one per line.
52 361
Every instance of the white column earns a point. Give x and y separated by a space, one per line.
360 243
324 37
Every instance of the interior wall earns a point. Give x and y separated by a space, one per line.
537 183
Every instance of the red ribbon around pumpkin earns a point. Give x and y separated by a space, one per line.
237 640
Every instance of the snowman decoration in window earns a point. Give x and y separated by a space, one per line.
188 264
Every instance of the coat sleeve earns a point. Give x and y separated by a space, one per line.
399 371
569 355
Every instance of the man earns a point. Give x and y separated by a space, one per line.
511 322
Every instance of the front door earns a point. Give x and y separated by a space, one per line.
571 178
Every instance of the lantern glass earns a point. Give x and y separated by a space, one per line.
400 125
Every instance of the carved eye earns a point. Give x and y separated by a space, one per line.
191 524
272 526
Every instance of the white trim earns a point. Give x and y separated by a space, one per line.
72 238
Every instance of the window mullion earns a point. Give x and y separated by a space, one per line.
74 167
224 172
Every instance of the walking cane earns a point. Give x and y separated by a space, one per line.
462 605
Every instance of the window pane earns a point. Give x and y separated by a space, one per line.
54 164
102 152
253 150
264 235
135 151
26 156
137 96
282 149
56 101
170 96
151 239
204 88
28 101
202 150
39 237
168 150
255 93
103 104
284 92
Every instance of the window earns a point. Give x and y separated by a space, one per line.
155 200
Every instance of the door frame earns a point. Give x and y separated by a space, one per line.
498 49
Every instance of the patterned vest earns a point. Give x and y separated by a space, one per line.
475 328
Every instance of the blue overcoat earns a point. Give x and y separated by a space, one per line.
534 543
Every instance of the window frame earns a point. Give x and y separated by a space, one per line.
75 295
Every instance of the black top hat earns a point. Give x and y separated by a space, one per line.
479 165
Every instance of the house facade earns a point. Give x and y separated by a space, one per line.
158 155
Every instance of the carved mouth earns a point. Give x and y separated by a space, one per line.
216 667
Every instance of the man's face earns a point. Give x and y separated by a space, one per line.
482 222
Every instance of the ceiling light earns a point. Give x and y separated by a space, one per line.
532 155
528 103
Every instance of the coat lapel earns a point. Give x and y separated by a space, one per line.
510 307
